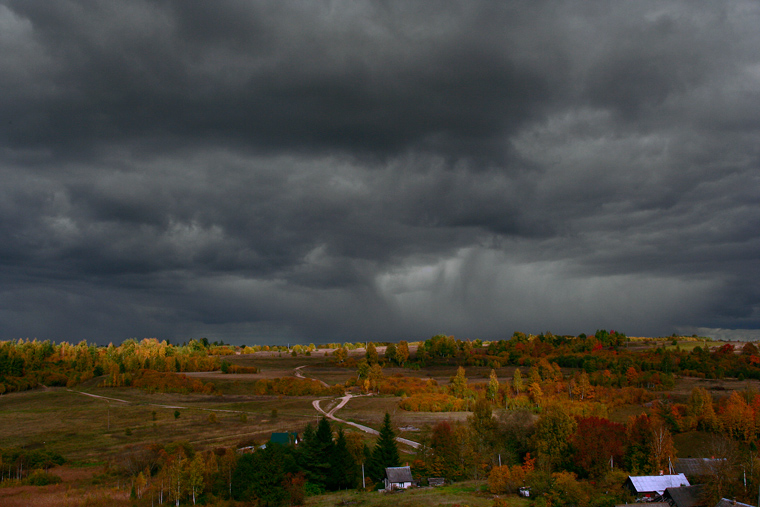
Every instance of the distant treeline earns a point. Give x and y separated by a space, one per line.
26 364
605 356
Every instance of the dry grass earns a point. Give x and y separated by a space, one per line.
466 493
370 411
77 490
62 495
77 426
717 387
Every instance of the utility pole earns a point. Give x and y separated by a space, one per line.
364 484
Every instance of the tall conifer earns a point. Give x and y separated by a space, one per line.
385 453
322 452
312 456
342 465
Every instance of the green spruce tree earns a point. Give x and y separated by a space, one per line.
309 456
323 450
385 453
342 465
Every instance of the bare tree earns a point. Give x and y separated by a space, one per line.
721 472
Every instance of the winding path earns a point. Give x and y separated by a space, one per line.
366 429
343 401
96 396
155 404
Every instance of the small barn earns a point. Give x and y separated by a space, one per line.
398 478
651 486
284 438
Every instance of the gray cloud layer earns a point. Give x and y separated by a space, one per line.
273 171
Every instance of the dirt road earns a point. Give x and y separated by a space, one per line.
366 429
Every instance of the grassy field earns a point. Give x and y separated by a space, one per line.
83 428
466 493
81 487
89 430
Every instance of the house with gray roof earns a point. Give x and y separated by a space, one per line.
696 466
398 478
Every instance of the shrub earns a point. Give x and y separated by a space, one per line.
234 368
433 402
42 478
291 386
157 381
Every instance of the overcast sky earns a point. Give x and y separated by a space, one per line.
272 172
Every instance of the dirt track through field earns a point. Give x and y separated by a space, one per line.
366 429
156 404
331 413
96 396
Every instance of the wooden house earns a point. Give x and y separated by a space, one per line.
398 478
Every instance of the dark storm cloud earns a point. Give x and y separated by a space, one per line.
269 76
359 170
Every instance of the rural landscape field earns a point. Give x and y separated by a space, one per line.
150 423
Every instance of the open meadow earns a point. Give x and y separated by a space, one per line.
92 429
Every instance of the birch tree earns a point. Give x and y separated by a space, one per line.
195 479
